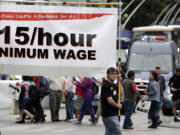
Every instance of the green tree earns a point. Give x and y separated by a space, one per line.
146 14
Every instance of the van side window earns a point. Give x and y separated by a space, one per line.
175 36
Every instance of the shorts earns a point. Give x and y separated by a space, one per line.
23 103
176 95
78 102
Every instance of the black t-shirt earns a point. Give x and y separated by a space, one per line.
109 90
175 82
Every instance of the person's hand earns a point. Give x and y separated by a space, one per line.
142 99
17 84
145 92
65 92
172 89
119 106
119 77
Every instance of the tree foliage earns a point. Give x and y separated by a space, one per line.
146 14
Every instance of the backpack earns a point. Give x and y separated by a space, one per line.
95 89
38 93
43 82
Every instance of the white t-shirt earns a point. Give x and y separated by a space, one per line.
56 83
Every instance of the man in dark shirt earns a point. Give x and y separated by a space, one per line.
174 84
109 102
162 90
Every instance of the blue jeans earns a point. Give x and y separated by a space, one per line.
112 125
69 105
128 110
87 103
158 109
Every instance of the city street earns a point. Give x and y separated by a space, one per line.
8 126
74 54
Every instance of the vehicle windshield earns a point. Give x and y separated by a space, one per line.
148 62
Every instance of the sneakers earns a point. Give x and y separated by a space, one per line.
158 123
93 124
77 122
176 119
20 121
149 121
152 126
68 120
56 120
33 119
128 127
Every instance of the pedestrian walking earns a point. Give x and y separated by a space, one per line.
78 102
56 85
24 99
69 94
174 84
109 103
130 97
162 84
153 92
86 86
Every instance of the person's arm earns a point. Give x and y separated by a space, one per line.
113 103
153 89
163 86
82 84
96 81
107 94
171 84
136 91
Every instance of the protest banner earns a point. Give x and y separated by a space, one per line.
57 40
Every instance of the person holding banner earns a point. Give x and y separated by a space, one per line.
109 103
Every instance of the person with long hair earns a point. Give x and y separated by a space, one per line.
153 92
23 99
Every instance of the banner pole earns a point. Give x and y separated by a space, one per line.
86 3
119 86
63 3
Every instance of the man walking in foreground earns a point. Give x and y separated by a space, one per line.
109 102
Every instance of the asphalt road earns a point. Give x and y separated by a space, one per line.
9 127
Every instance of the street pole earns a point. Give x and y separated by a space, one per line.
63 3
119 59
119 87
